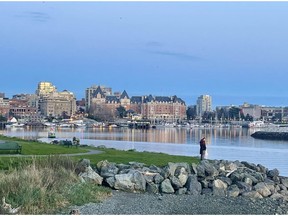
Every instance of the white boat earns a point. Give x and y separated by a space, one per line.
80 125
65 125
15 125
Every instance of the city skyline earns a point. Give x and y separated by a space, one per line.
233 51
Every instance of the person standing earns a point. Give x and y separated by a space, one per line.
202 148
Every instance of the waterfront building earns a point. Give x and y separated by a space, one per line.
45 88
272 114
148 107
204 104
90 94
31 99
57 104
251 110
163 108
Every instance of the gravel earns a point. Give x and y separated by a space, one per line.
123 203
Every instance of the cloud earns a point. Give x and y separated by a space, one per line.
35 16
178 55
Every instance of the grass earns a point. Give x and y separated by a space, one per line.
148 158
45 185
40 148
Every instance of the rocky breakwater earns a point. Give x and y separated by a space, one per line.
218 177
270 135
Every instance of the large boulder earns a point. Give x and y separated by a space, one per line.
233 191
262 189
172 167
107 169
182 174
166 187
133 181
219 188
193 186
89 175
205 168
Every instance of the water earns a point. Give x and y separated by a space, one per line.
222 143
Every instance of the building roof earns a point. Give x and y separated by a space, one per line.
111 99
136 99
124 94
98 91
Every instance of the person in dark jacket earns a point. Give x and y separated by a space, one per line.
202 148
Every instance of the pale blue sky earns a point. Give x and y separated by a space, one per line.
234 51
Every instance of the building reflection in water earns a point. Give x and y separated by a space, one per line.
192 136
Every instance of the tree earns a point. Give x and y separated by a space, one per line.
121 111
191 112
3 119
234 113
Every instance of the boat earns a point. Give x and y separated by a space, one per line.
51 132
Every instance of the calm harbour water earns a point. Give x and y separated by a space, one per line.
222 143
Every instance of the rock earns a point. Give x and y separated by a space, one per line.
244 187
171 168
236 177
130 182
82 165
284 181
273 173
182 174
262 189
152 188
91 176
209 169
250 179
175 182
158 178
262 169
155 169
166 187
219 188
194 168
107 169
227 180
181 191
110 181
233 191
193 186
123 167
251 166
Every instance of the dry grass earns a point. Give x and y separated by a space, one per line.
47 185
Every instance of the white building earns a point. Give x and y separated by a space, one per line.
204 104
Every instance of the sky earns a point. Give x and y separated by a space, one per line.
234 51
